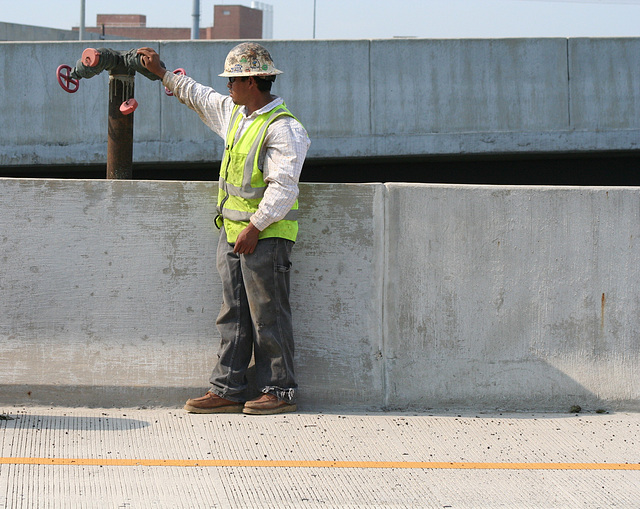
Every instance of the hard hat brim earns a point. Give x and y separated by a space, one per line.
228 74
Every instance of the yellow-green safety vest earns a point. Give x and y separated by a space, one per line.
242 186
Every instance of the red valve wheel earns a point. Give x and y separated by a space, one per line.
128 106
67 83
90 57
180 71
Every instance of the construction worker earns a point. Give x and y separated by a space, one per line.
265 147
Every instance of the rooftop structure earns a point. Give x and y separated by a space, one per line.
230 22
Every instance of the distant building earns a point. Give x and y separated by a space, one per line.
229 22
235 22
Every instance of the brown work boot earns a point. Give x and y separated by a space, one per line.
211 403
268 404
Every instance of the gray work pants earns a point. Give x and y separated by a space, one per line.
255 317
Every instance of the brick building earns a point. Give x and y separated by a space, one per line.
229 22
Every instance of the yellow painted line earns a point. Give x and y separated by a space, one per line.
318 464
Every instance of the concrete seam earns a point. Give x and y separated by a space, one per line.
160 108
370 90
383 300
568 85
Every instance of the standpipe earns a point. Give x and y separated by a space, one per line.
122 67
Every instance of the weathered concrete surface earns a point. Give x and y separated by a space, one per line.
106 285
514 85
357 99
604 94
525 294
18 32
405 296
337 293
111 292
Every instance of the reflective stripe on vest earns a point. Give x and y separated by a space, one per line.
240 215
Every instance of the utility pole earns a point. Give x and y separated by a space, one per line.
314 19
82 5
195 28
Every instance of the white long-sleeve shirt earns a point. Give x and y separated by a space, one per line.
283 152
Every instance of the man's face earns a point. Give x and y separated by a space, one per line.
238 88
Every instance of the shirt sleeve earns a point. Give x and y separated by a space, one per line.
287 143
213 108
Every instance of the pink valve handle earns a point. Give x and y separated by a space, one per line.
128 106
180 71
90 57
65 80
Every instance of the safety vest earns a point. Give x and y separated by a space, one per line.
242 185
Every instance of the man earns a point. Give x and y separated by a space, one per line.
265 147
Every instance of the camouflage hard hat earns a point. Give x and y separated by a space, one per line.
249 59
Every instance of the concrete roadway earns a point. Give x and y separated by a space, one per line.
54 457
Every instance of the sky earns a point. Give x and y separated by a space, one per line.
365 19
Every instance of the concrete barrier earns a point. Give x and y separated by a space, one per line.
19 32
362 98
405 296
512 297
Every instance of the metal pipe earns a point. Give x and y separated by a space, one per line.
120 128
314 19
195 28
81 37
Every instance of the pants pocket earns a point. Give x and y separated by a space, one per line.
283 268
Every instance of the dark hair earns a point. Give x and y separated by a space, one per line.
264 82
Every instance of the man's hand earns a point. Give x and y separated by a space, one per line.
247 240
151 60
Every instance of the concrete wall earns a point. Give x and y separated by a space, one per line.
405 296
357 99
18 32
